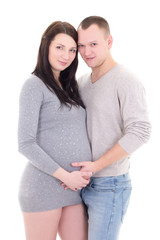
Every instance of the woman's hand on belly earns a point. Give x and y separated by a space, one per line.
75 180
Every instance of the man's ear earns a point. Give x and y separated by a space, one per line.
109 41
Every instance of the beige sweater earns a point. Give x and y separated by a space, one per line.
116 112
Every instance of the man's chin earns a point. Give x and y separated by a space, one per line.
90 64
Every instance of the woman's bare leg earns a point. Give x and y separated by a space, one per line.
73 223
42 225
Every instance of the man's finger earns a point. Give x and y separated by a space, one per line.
86 174
78 164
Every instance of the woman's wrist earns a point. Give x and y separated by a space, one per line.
61 174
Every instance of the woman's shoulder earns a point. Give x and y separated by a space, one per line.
33 85
32 88
33 82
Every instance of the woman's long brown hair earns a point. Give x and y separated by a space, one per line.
69 95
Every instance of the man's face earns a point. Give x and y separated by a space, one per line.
93 45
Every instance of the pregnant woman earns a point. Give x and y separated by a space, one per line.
52 134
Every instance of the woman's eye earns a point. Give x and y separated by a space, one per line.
73 50
59 47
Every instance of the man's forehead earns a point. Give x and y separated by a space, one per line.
91 34
92 27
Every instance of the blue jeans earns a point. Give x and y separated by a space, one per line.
106 199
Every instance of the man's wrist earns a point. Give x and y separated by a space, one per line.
96 166
99 164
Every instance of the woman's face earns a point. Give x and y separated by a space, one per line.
62 52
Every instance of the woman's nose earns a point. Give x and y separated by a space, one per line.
66 55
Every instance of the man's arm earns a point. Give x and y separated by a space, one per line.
114 154
136 126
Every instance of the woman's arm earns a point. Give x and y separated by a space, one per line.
30 103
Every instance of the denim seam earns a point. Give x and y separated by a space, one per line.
122 206
123 212
111 217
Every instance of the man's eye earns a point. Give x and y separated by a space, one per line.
93 44
80 46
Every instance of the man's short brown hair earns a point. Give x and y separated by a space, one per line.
99 21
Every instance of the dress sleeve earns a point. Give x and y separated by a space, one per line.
133 107
30 101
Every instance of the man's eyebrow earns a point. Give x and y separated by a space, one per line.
89 42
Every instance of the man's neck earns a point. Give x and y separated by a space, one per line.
99 71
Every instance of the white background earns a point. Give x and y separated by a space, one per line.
135 29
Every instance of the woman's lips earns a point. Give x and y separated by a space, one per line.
63 63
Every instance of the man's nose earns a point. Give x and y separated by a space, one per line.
87 51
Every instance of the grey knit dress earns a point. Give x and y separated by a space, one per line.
49 136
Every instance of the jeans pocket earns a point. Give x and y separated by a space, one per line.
102 185
125 200
102 188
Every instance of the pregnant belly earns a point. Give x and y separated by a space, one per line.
65 153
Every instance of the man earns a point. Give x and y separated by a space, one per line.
117 123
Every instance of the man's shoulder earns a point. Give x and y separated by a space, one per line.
83 80
127 76
129 82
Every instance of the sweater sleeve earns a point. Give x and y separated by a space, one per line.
136 125
31 98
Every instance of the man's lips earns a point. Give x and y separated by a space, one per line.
89 58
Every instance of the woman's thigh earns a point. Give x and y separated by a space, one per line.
73 223
42 225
